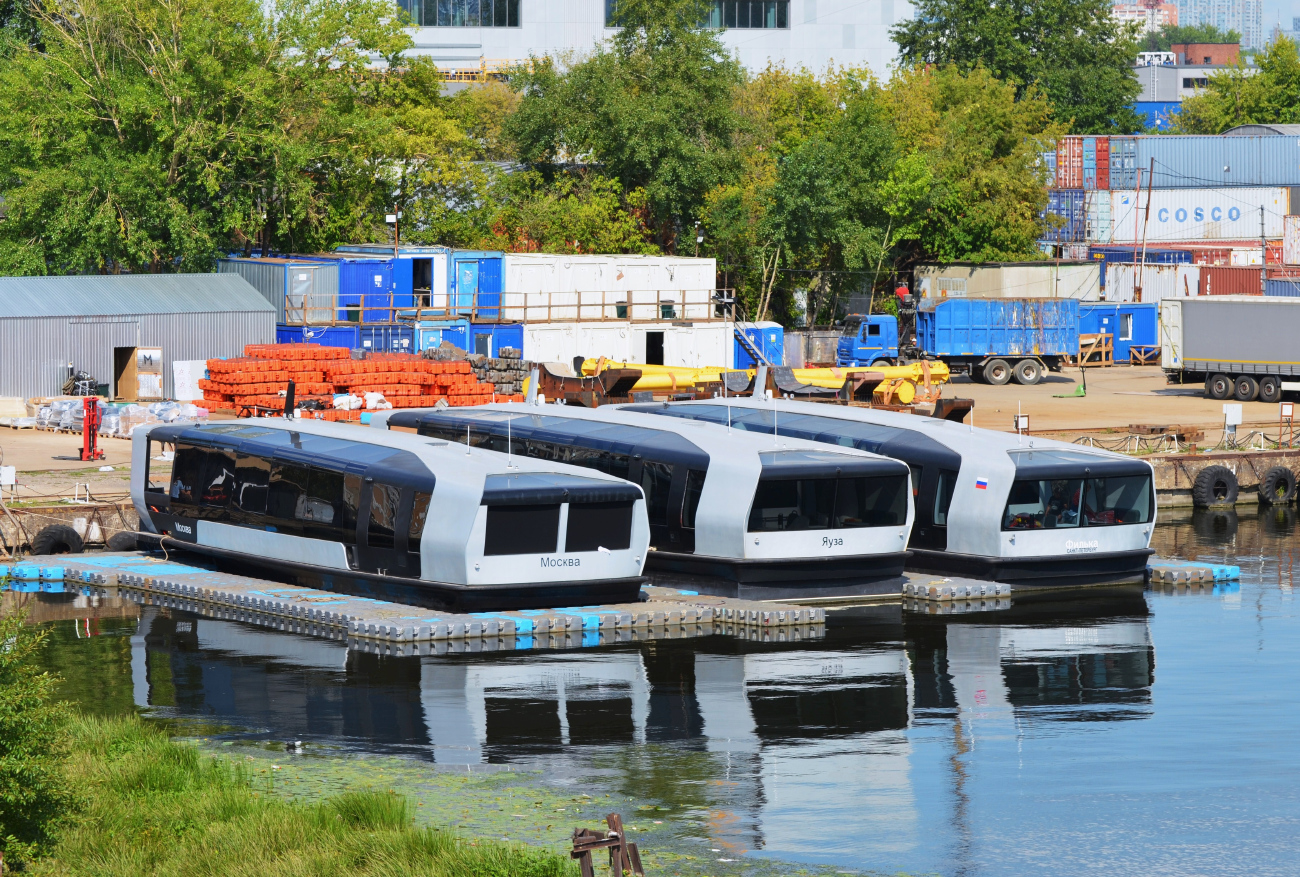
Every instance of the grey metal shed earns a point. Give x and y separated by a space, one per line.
50 323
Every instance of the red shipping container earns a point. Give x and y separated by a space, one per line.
1103 162
1220 252
1226 280
1069 163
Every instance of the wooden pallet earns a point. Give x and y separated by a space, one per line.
1144 354
1096 350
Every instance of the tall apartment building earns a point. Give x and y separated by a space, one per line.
471 34
1244 16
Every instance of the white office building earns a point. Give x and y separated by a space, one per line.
490 34
1243 16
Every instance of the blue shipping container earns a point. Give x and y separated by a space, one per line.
1008 326
1157 115
1205 161
1107 254
326 336
413 266
484 338
1283 288
1069 205
768 337
1130 324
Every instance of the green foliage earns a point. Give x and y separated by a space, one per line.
573 213
1266 95
652 108
1163 39
1072 51
34 796
156 807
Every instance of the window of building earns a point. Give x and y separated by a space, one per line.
1125 327
597 525
749 14
522 529
462 13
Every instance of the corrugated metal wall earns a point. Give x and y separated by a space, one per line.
35 351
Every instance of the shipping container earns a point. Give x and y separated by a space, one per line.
696 346
1056 279
1291 240
1097 211
1002 327
1221 252
419 272
301 291
541 287
1096 163
1223 280
1105 255
1196 162
1283 287
1069 163
1157 281
1049 167
1066 208
1158 115
1129 325
1184 215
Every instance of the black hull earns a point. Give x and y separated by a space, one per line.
438 596
1060 571
835 578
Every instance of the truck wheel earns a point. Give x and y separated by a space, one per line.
878 363
57 539
1246 389
1214 486
997 372
1219 386
1277 487
1270 389
1028 372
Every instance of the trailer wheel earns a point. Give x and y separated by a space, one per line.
1028 372
1270 389
1215 486
1277 487
57 539
1219 386
1246 389
997 372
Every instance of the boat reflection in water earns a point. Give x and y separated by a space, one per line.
801 748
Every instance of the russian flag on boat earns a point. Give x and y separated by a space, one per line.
981 484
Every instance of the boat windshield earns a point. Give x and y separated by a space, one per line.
1057 503
782 504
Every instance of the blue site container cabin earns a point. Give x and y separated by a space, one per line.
474 283
419 272
1130 324
484 338
380 337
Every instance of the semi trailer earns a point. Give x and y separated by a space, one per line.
1240 347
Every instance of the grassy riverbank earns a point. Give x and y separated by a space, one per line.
151 806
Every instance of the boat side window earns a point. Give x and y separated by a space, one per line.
619 465
916 478
351 506
253 475
656 480
587 458
691 496
385 499
596 525
1043 504
879 501
218 480
522 529
1118 500
286 494
321 508
419 514
792 504
187 474
943 496
158 462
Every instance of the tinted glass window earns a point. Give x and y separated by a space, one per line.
286 494
691 498
384 502
522 529
321 509
1122 500
158 474
619 465
419 512
1047 504
943 496
597 525
253 475
351 505
187 474
871 502
656 481
218 482
803 504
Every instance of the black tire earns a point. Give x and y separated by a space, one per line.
122 541
1245 389
1214 525
997 372
57 539
1219 386
1215 486
1270 389
1277 487
879 362
1028 372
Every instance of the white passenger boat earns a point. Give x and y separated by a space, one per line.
990 505
749 516
384 513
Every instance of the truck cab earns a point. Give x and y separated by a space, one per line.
868 339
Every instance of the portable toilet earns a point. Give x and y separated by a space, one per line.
768 337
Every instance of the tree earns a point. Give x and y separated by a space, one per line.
1072 51
148 135
34 796
1268 94
651 108
573 213
1166 37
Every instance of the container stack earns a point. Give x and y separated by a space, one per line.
1177 206
333 385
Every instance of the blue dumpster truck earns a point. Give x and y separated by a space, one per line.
994 340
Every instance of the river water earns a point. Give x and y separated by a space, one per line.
1117 732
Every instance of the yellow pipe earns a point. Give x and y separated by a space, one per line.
676 377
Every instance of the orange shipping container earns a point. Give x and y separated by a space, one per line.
1227 280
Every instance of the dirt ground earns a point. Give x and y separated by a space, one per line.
1118 397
